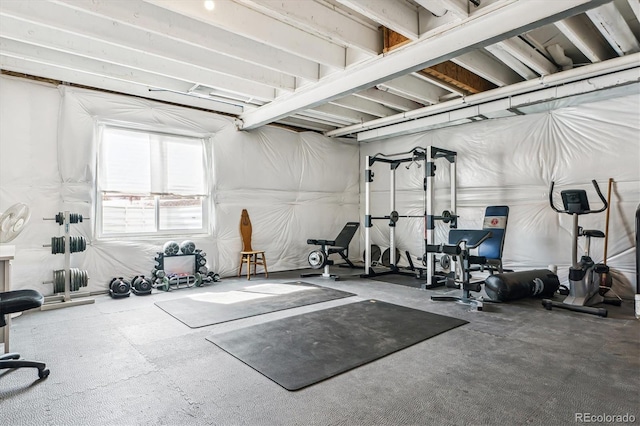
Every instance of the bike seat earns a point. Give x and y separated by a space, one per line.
592 233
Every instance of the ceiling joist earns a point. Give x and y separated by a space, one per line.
614 29
398 15
148 17
249 23
321 65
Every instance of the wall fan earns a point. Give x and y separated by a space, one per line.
12 221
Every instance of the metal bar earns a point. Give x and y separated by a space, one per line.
454 183
67 258
6 264
380 156
392 226
60 297
574 246
367 207
66 304
429 211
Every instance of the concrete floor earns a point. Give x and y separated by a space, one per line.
127 362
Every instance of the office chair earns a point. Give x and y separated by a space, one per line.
19 301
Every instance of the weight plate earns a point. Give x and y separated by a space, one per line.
74 279
58 281
375 253
445 262
317 259
386 259
171 248
187 247
61 281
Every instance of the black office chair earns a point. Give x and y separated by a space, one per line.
19 301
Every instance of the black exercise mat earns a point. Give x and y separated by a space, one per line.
210 308
301 350
401 279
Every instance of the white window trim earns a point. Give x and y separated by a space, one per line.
160 234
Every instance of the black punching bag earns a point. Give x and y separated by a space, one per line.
518 285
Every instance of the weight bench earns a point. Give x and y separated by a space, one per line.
320 258
460 242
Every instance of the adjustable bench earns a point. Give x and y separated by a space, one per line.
320 258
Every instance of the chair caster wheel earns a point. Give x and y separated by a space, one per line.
43 374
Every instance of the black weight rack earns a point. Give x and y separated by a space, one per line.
67 282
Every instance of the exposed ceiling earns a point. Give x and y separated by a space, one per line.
363 68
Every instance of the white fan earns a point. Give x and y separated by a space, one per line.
13 221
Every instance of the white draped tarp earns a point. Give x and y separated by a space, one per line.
512 161
298 186
295 185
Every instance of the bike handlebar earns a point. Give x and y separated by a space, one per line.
597 188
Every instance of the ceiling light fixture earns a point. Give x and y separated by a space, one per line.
209 5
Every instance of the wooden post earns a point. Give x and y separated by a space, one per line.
606 226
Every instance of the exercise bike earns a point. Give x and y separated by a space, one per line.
588 281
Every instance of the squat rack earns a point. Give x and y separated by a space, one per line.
427 156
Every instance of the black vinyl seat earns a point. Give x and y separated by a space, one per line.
19 301
490 251
341 243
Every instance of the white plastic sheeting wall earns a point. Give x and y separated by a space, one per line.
295 186
299 186
512 161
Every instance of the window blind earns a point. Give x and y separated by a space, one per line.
137 162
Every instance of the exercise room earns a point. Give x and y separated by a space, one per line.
319 212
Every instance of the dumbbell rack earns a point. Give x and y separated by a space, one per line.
65 300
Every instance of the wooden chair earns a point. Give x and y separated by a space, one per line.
248 255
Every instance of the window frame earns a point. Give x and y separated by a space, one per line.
204 139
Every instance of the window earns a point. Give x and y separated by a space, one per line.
151 183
